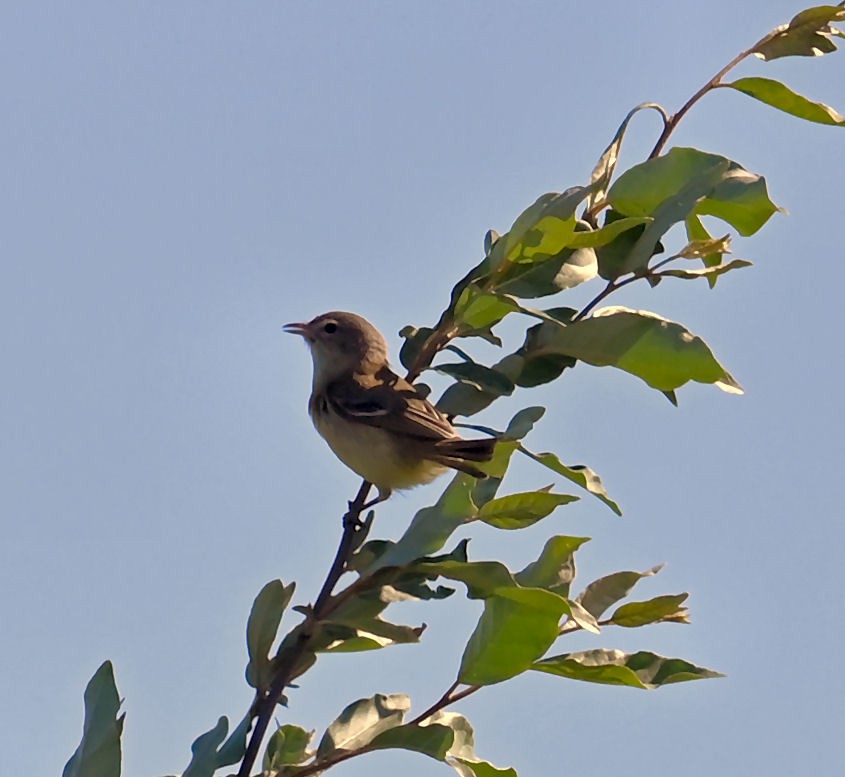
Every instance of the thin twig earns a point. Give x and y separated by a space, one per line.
265 703
712 84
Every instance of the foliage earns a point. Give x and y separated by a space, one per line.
623 227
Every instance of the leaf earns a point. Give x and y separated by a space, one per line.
685 181
603 171
98 753
516 511
544 228
445 736
483 579
698 249
467 768
523 422
495 469
707 272
204 750
415 338
464 399
675 208
261 629
697 233
661 608
554 570
478 375
613 667
370 634
288 745
432 526
601 594
780 96
477 309
578 474
530 365
565 270
432 740
662 353
807 35
234 748
362 721
609 232
518 626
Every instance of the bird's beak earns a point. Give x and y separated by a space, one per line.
296 329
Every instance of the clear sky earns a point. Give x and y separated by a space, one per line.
181 179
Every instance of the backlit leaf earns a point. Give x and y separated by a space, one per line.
661 608
780 96
518 626
613 667
807 35
362 721
579 474
515 511
601 594
662 353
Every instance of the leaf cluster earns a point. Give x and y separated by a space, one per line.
671 216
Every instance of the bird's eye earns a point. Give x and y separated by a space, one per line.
330 327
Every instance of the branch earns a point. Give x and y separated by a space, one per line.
712 84
265 703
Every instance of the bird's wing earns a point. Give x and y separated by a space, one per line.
389 402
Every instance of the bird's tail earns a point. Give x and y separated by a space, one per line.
458 453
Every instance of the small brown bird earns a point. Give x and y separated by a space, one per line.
376 422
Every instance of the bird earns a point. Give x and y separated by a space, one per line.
376 422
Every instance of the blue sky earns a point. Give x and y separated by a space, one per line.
181 179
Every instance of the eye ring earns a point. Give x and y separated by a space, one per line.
330 327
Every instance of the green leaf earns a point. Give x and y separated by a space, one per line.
478 375
601 594
288 745
530 365
432 526
98 754
234 748
432 740
578 474
701 248
780 96
464 399
603 171
483 579
662 353
807 35
707 272
518 626
661 608
445 736
554 570
467 768
362 721
414 340
477 309
523 422
261 630
495 469
685 181
516 511
609 232
613 667
368 634
543 229
204 751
